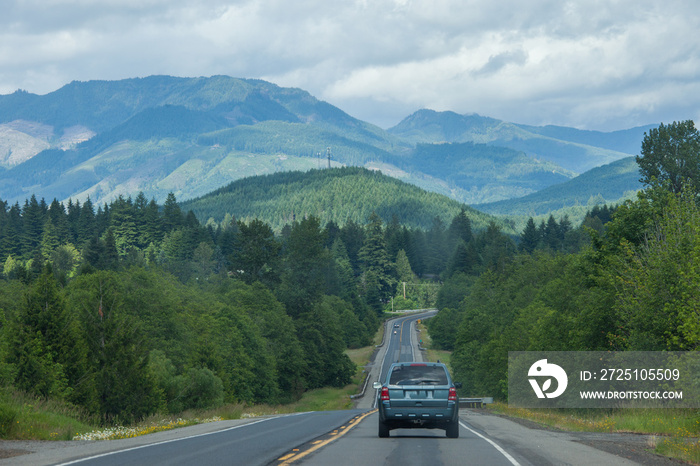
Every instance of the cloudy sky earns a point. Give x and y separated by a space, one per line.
592 64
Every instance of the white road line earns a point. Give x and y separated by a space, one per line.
512 460
115 452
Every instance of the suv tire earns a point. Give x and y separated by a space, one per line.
452 430
383 430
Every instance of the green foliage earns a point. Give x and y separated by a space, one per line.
321 337
671 154
658 280
278 199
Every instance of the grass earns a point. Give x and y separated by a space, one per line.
25 417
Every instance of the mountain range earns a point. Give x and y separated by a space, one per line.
191 136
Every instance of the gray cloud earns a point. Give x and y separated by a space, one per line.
590 63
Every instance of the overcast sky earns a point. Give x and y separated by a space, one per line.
592 64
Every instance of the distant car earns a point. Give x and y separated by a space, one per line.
396 325
394 332
418 395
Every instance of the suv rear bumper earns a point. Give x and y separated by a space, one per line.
417 415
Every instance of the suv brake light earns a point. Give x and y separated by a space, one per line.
452 396
385 394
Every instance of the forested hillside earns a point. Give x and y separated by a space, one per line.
337 195
633 288
607 184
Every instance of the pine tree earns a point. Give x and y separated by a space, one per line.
460 229
530 237
172 215
86 228
33 225
303 280
41 346
375 259
256 253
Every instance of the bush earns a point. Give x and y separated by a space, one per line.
7 420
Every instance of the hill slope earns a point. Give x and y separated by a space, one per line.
606 184
335 195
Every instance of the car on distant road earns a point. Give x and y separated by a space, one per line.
418 395
396 325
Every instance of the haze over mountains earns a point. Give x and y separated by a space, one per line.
191 136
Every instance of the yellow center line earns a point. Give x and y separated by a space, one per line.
291 458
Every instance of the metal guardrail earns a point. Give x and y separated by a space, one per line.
364 387
475 402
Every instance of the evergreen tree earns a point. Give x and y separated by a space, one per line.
86 223
111 255
41 346
33 225
123 225
116 368
11 240
436 248
172 215
320 335
530 237
256 253
551 236
58 218
304 280
353 236
375 259
460 230
73 218
464 260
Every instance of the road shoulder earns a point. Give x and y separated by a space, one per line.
539 444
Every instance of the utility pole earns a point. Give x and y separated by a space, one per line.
328 153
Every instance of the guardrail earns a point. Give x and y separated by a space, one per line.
364 387
475 402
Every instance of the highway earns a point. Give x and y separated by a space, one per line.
340 437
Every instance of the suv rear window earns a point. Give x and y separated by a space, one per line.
417 375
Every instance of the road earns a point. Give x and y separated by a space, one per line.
343 437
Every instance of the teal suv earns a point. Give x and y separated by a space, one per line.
418 395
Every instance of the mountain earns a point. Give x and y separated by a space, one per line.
191 136
162 134
475 173
337 194
571 149
606 184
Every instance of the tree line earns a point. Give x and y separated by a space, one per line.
631 286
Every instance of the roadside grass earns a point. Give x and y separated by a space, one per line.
26 417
